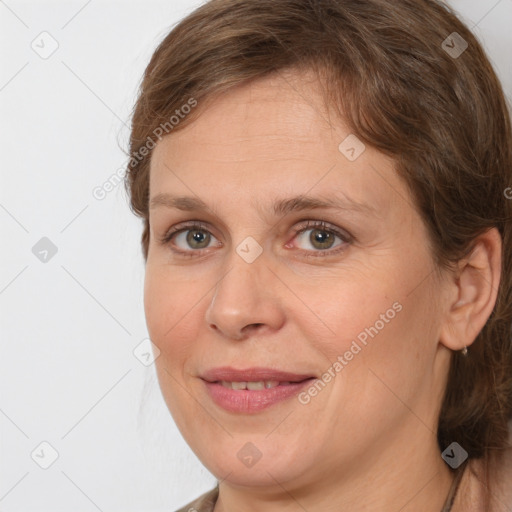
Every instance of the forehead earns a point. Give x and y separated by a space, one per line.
273 134
255 119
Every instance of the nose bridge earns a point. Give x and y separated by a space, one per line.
243 296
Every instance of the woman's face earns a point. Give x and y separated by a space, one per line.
353 303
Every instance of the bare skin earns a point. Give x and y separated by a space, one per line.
367 440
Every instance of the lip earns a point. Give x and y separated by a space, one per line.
253 374
252 401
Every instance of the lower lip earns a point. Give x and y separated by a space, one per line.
248 401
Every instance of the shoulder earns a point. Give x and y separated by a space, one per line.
205 502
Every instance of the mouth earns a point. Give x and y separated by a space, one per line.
253 390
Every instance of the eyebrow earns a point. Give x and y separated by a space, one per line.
280 206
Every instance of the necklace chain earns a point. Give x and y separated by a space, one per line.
450 499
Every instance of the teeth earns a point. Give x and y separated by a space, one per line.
253 386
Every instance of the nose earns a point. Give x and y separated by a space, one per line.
245 301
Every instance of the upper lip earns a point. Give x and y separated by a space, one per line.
254 374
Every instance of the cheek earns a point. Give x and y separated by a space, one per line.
372 320
169 308
169 304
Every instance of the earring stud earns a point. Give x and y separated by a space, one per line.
464 351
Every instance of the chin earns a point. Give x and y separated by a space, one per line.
251 464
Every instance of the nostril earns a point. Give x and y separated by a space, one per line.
253 326
250 328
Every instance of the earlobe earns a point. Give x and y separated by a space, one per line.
473 292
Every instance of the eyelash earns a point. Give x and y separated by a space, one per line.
310 224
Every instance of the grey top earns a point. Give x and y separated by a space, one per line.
205 502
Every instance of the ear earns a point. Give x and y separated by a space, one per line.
472 292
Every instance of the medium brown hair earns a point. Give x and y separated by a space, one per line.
443 118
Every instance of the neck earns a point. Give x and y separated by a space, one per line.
406 479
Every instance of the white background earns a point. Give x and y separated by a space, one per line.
68 375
